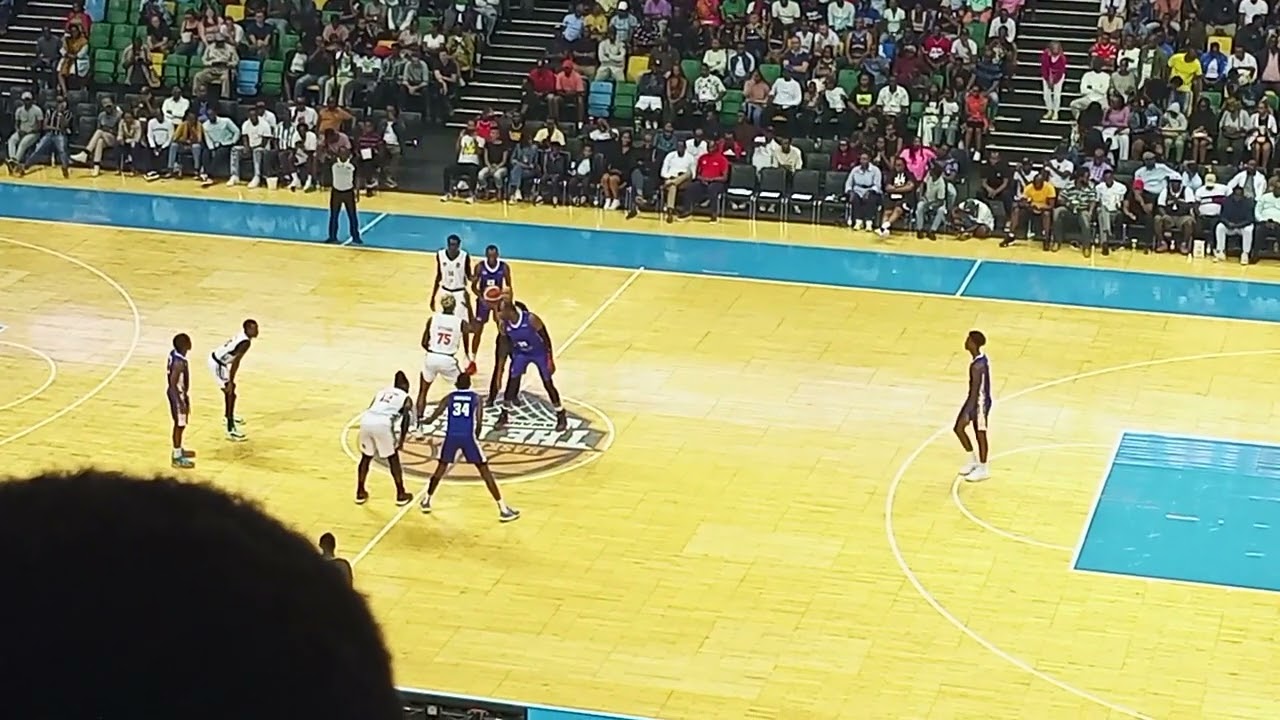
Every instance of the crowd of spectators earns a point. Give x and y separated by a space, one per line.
278 85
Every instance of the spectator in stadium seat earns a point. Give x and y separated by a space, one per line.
918 158
1237 219
1095 84
78 16
158 137
1073 216
131 143
104 137
716 57
74 58
976 120
1213 64
570 89
493 168
863 189
785 99
1267 213
678 169
28 120
657 12
57 129
1097 165
899 185
1111 197
1033 207
1117 128
893 101
1253 182
413 77
1175 215
787 156
844 156
676 97
1233 128
934 204
585 173
1004 22
468 148
1185 67
1262 133
612 55
712 176
220 137
220 59
188 136
159 35
895 19
553 167
1123 81
539 87
255 134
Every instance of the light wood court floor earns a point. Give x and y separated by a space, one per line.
728 556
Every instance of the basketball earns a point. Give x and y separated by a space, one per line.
492 294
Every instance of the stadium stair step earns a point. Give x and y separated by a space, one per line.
1020 128
520 41
18 45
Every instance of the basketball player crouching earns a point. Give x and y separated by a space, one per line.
444 335
378 438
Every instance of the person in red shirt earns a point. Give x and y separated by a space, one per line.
710 181
539 87
570 89
78 16
908 66
844 157
486 123
1105 50
937 49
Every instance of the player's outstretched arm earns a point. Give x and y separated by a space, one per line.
406 421
426 336
435 414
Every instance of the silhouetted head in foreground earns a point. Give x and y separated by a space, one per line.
152 598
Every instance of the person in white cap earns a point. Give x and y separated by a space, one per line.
28 118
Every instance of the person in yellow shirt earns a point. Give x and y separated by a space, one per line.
1037 201
1185 66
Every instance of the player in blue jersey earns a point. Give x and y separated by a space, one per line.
462 435
530 345
501 354
179 372
491 281
976 409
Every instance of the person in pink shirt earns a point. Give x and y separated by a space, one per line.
917 156
1013 6
1053 70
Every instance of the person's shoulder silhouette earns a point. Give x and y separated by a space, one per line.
149 598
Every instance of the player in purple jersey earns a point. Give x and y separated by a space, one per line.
491 280
976 409
179 374
501 354
461 435
530 345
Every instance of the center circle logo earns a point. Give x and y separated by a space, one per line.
528 447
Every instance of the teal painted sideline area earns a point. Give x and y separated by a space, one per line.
529 712
863 269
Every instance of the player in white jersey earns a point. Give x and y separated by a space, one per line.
392 406
224 363
446 333
453 275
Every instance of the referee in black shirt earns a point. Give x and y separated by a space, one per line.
342 195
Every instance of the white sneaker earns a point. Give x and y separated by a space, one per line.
80 157
1219 256
255 182
232 181
306 187
294 184
884 232
1244 258
978 474
517 196
968 467
95 172
471 199
446 197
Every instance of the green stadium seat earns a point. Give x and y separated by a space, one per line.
691 68
100 35
770 72
847 79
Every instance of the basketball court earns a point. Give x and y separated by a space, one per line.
753 512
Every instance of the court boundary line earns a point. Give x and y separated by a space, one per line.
49 379
1102 485
781 241
1097 498
703 274
1009 534
120 366
905 568
563 348
964 284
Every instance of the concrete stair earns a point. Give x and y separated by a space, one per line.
518 43
18 46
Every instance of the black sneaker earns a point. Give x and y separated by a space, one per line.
1009 240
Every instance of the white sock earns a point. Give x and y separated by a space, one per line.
502 505
973 458
177 453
